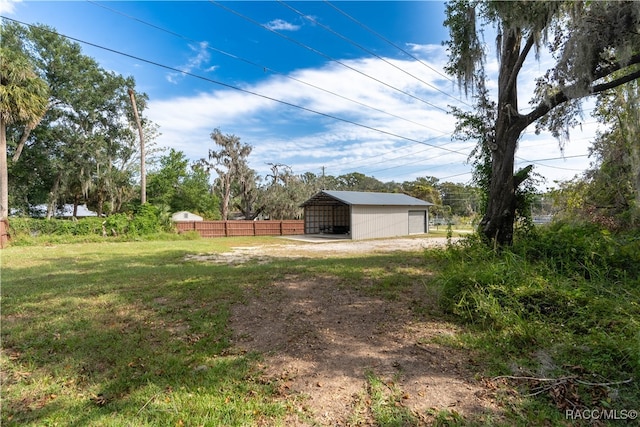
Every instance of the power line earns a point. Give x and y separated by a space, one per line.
337 61
309 110
260 66
392 44
348 40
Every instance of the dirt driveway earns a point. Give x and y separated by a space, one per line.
300 247
335 352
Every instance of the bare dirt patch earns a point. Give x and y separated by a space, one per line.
323 342
318 248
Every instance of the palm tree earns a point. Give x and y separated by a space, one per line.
23 101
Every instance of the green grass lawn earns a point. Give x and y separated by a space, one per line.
128 333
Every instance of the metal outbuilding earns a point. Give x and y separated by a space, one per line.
365 215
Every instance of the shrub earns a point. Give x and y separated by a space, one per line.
571 292
146 220
116 224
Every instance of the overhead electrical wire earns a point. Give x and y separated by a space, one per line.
391 43
260 66
385 159
424 142
337 61
275 72
300 81
369 51
405 164
250 92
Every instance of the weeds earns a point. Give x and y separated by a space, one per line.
567 292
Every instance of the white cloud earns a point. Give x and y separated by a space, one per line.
281 24
386 130
201 55
7 7
392 135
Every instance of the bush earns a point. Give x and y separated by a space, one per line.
146 220
21 227
571 291
585 250
116 224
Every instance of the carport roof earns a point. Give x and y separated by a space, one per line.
330 197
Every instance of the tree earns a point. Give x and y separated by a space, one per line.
357 181
423 188
246 190
164 183
195 194
617 152
282 197
176 186
617 160
85 145
229 162
589 41
23 100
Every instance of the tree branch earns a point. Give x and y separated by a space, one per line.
635 59
518 65
561 96
615 83
23 139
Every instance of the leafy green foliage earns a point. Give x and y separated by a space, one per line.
28 226
146 220
176 187
84 148
116 224
570 291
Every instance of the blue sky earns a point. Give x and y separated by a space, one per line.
361 84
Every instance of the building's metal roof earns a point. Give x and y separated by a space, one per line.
330 197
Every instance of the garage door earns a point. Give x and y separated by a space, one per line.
417 222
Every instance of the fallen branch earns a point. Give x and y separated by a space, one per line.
563 379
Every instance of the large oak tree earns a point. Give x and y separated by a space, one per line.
595 46
84 148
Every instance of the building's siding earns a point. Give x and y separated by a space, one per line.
184 216
368 222
417 221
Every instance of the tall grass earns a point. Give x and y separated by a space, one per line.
563 302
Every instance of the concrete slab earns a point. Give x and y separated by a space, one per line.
318 238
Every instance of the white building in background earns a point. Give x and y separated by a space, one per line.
184 216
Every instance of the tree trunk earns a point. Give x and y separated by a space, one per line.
4 173
498 221
76 201
226 196
53 196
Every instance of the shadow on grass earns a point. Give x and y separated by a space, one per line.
122 339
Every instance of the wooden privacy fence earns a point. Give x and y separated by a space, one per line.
242 228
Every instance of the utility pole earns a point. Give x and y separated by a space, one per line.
143 176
